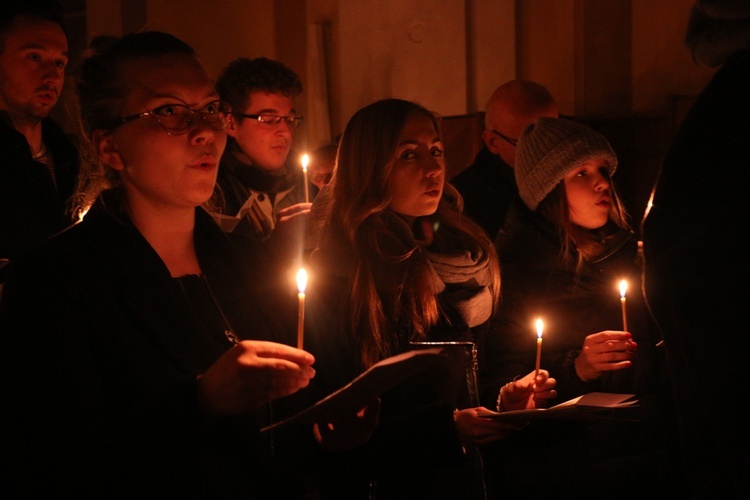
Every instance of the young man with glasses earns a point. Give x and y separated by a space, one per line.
259 192
488 185
39 163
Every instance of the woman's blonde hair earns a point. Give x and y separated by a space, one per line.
101 92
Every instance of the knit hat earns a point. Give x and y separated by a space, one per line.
549 149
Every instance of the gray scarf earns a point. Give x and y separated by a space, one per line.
460 271
466 275
459 268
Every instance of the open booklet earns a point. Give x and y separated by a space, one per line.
378 379
591 406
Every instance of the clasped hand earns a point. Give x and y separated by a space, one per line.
252 373
522 393
292 221
529 391
348 430
605 351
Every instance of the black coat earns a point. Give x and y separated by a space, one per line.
100 352
488 187
32 208
573 457
696 280
238 182
415 450
536 283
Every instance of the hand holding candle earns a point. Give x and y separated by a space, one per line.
539 330
301 285
305 161
623 289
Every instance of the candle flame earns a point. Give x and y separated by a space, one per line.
623 288
305 161
539 327
82 213
301 280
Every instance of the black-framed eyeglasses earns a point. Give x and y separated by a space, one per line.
270 120
512 142
177 119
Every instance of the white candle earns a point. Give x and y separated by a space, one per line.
305 161
301 285
623 289
539 330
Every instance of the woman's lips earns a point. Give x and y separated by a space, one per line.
206 161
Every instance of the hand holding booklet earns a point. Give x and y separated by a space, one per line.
591 406
378 379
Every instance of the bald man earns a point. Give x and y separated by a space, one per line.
488 185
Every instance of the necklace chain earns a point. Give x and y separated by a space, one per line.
229 331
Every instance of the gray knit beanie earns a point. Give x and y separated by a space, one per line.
549 149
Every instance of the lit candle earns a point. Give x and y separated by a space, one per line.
623 289
539 329
301 285
305 161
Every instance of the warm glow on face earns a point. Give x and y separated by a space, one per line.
415 184
539 327
623 288
587 193
305 160
301 280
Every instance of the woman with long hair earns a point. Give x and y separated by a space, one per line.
397 264
565 249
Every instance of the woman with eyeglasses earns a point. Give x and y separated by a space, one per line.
141 349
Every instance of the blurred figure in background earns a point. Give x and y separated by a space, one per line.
696 257
487 185
322 162
39 163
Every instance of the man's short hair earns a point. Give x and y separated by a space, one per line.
50 10
243 76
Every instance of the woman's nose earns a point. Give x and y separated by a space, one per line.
434 167
201 132
601 181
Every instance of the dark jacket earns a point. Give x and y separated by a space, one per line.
32 208
251 198
415 450
575 456
488 187
696 279
536 283
100 355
